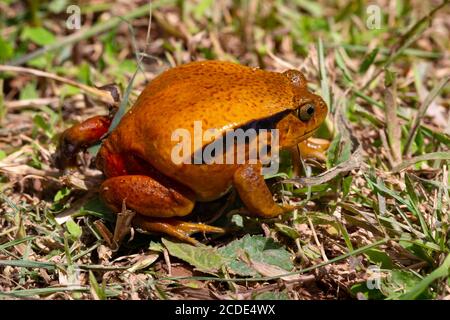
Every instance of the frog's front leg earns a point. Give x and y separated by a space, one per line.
311 148
157 204
254 193
314 148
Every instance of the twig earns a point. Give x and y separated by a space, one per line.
393 128
354 162
102 95
316 240
167 260
123 225
104 232
30 103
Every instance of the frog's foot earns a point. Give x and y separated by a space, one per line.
80 136
314 148
255 194
175 228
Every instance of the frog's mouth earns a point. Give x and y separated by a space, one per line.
308 134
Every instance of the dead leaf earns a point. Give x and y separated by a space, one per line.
269 270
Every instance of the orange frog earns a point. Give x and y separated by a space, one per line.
137 156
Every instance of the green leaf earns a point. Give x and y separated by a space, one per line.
318 218
40 62
201 8
6 50
346 185
68 90
38 35
288 231
340 148
16 242
84 74
28 264
440 155
256 248
333 149
203 258
389 78
419 288
411 190
399 282
73 228
57 6
127 66
415 247
61 194
409 204
391 286
380 258
156 246
29 91
40 122
96 207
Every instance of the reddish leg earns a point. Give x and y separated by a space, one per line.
80 136
86 133
157 203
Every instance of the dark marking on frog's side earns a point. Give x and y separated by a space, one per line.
268 123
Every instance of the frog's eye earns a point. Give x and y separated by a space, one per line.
306 112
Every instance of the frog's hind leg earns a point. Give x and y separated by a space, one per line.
87 133
80 136
157 204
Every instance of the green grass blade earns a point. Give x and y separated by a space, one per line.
442 271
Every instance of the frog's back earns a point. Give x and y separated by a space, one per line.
221 95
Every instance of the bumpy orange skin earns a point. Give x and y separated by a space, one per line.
221 95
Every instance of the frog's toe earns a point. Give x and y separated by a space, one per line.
175 228
191 227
